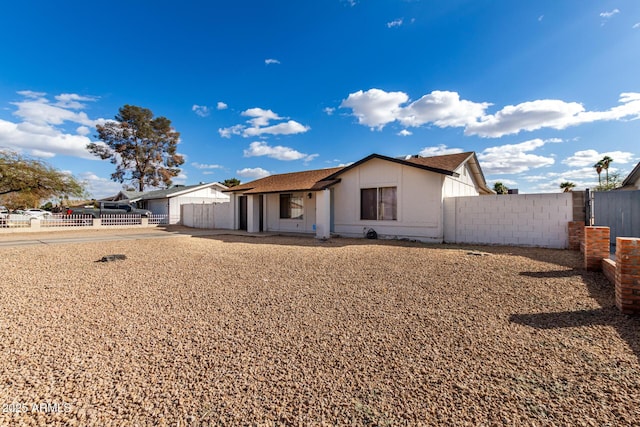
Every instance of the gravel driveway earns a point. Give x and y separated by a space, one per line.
281 330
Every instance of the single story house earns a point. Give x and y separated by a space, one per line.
632 181
169 201
395 197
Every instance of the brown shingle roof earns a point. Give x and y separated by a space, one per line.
294 181
447 162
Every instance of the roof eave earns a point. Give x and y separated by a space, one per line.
474 164
633 176
394 160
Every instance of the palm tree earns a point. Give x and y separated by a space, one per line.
606 161
599 168
567 186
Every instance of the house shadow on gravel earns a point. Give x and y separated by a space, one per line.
599 287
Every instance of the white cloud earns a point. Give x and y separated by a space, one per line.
376 108
260 116
329 110
72 100
439 150
260 148
252 173
205 166
442 108
395 23
527 116
609 14
200 110
233 130
221 106
40 111
32 94
43 141
271 61
180 179
513 158
287 128
550 181
404 132
259 125
591 157
99 187
636 25
540 18
508 182
41 129
83 130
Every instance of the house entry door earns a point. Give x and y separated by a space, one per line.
261 211
242 212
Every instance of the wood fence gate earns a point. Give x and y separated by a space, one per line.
618 210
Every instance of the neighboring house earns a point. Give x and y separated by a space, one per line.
632 181
396 197
169 201
123 195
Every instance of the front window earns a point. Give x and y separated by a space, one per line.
379 204
291 206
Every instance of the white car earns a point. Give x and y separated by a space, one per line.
39 213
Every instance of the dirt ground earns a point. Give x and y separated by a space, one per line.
233 330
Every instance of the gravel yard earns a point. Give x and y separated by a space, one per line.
232 330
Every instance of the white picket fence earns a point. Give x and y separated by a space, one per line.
60 220
15 222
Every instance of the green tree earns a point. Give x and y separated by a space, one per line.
567 186
500 188
143 148
231 182
614 182
25 182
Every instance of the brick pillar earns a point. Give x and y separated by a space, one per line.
628 275
596 247
576 234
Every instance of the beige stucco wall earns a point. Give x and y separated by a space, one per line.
419 195
272 212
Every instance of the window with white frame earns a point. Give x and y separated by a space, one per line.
291 206
379 204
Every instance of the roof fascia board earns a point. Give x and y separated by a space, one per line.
630 178
391 159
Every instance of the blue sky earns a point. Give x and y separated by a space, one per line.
540 90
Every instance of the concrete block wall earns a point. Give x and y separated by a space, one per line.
515 219
627 275
579 213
